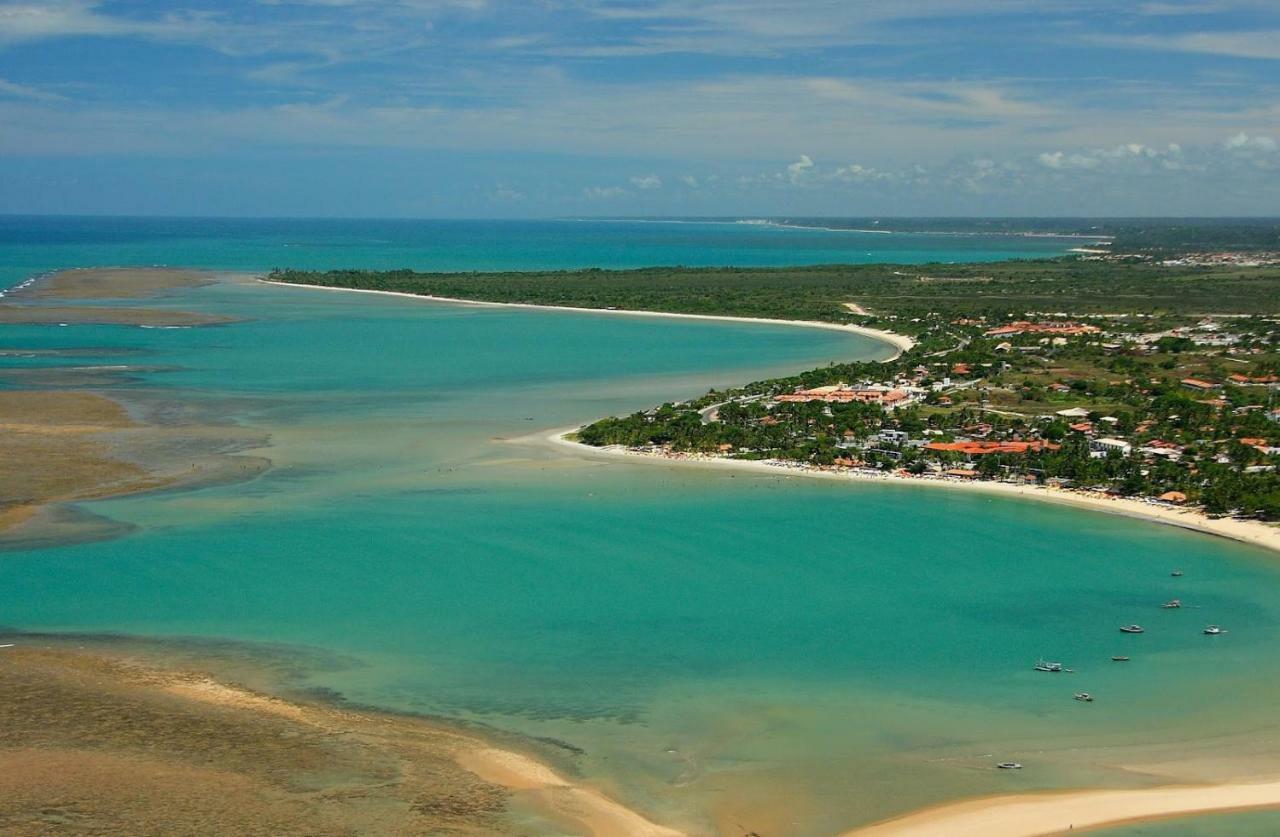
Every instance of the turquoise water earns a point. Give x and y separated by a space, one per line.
31 244
1245 824
792 655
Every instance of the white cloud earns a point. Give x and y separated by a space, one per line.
857 173
597 193
78 18
647 181
506 194
1257 43
690 181
22 91
1244 142
798 170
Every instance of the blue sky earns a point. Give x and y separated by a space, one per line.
490 108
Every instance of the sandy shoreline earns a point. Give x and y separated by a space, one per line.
225 758
900 342
1245 531
1034 814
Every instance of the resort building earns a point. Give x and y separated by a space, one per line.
887 397
1067 329
985 448
1103 447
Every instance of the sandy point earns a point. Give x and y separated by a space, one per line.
1034 814
900 342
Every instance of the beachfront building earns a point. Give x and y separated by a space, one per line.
886 396
1062 329
975 448
1106 446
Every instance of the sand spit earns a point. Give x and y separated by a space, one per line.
1252 532
106 742
1033 814
900 342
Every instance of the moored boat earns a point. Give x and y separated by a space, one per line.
1084 697
1132 629
1213 630
1045 665
1119 659
1176 573
1009 765
1172 604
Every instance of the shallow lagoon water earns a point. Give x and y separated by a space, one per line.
796 656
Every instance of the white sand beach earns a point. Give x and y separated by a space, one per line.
900 342
1252 532
1033 814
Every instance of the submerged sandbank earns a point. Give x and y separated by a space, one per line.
1034 814
106 738
1252 532
900 342
47 293
64 446
114 283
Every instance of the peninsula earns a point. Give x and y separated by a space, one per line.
1133 385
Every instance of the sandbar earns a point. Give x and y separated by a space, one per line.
1033 814
113 283
109 741
63 446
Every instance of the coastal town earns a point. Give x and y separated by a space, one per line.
1181 411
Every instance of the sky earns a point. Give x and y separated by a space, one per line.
548 108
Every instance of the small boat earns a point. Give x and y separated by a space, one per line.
1172 604
1045 665
1084 696
1009 765
1213 630
1176 573
1119 659
1133 629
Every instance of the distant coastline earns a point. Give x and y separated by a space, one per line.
900 342
776 224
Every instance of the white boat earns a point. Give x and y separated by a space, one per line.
1045 665
1213 630
1176 573
1009 765
1172 604
1084 696
1133 629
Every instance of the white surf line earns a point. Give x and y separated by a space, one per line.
900 342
